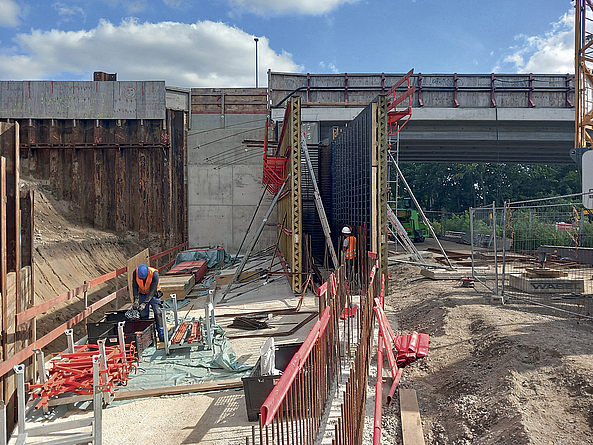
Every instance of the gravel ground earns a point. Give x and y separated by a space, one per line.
495 374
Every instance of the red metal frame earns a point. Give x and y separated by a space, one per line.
393 114
73 372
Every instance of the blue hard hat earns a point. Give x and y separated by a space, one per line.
142 271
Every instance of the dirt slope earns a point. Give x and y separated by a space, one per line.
494 374
67 253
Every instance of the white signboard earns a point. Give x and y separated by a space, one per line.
587 162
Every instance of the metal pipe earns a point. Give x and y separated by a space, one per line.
471 234
504 244
97 402
165 330
121 338
41 365
424 218
70 337
494 245
19 370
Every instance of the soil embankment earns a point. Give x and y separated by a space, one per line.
68 252
494 374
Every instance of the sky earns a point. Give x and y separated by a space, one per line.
210 43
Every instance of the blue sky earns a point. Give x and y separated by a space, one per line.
209 43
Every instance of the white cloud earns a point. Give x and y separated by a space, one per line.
132 6
68 13
551 53
330 66
275 7
10 13
203 54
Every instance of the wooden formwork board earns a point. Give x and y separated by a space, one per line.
410 414
133 263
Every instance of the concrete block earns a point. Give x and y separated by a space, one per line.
496 299
546 285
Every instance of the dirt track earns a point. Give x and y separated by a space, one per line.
494 374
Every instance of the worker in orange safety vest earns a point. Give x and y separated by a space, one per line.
147 293
349 248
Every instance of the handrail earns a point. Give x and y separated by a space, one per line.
272 403
27 352
32 312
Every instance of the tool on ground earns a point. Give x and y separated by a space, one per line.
467 282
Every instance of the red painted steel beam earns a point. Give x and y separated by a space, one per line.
401 98
400 82
394 385
378 394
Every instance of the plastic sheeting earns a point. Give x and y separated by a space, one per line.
215 256
187 366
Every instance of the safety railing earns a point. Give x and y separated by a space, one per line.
349 428
293 412
25 353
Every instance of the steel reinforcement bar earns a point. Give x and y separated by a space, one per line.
350 426
294 410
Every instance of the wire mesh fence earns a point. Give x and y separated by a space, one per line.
536 252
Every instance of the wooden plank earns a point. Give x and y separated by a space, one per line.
180 285
182 389
133 263
410 414
3 266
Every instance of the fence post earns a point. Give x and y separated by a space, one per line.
471 234
494 244
504 242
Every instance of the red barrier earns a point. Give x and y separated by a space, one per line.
24 354
272 404
379 394
30 313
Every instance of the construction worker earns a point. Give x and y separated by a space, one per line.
349 247
147 293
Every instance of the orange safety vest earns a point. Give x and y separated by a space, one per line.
144 285
350 252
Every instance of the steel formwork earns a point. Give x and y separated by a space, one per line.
359 178
289 214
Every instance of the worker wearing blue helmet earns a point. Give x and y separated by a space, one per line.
147 293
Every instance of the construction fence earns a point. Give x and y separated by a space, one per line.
538 252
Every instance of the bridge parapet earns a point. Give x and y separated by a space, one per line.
432 90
